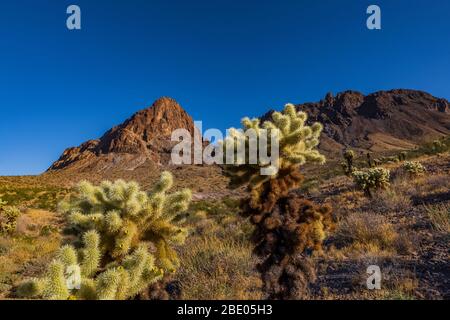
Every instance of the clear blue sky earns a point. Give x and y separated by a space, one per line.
221 60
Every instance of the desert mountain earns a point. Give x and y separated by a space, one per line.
143 137
140 147
137 149
381 121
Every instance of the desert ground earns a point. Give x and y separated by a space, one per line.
404 229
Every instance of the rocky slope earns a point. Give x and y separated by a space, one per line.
143 137
381 121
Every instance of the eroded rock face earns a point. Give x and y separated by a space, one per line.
144 136
384 120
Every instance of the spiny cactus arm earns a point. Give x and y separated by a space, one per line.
68 256
163 229
167 257
176 203
124 239
165 183
106 284
91 254
123 286
87 290
56 287
135 265
86 221
113 221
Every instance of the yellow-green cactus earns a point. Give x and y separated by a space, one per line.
372 179
297 144
413 168
125 216
116 281
8 218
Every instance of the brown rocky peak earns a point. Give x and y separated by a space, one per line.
146 128
146 135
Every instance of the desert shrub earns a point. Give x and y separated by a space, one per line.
285 226
117 223
413 168
439 216
8 218
366 232
372 179
216 267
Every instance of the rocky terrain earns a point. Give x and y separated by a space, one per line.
404 229
379 122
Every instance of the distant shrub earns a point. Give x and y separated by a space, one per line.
8 218
372 179
347 165
413 168
402 156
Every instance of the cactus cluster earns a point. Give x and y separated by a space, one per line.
124 216
8 218
285 225
117 225
413 168
372 179
78 274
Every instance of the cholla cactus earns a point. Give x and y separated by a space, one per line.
285 226
402 156
372 179
78 274
297 144
8 218
116 223
124 216
349 156
413 168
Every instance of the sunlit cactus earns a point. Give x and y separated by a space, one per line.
8 218
413 168
124 216
118 226
116 281
285 225
297 144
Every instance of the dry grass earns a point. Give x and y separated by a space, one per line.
439 216
366 234
29 250
215 268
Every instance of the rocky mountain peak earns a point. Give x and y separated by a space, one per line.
145 135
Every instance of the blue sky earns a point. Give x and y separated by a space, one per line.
221 60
